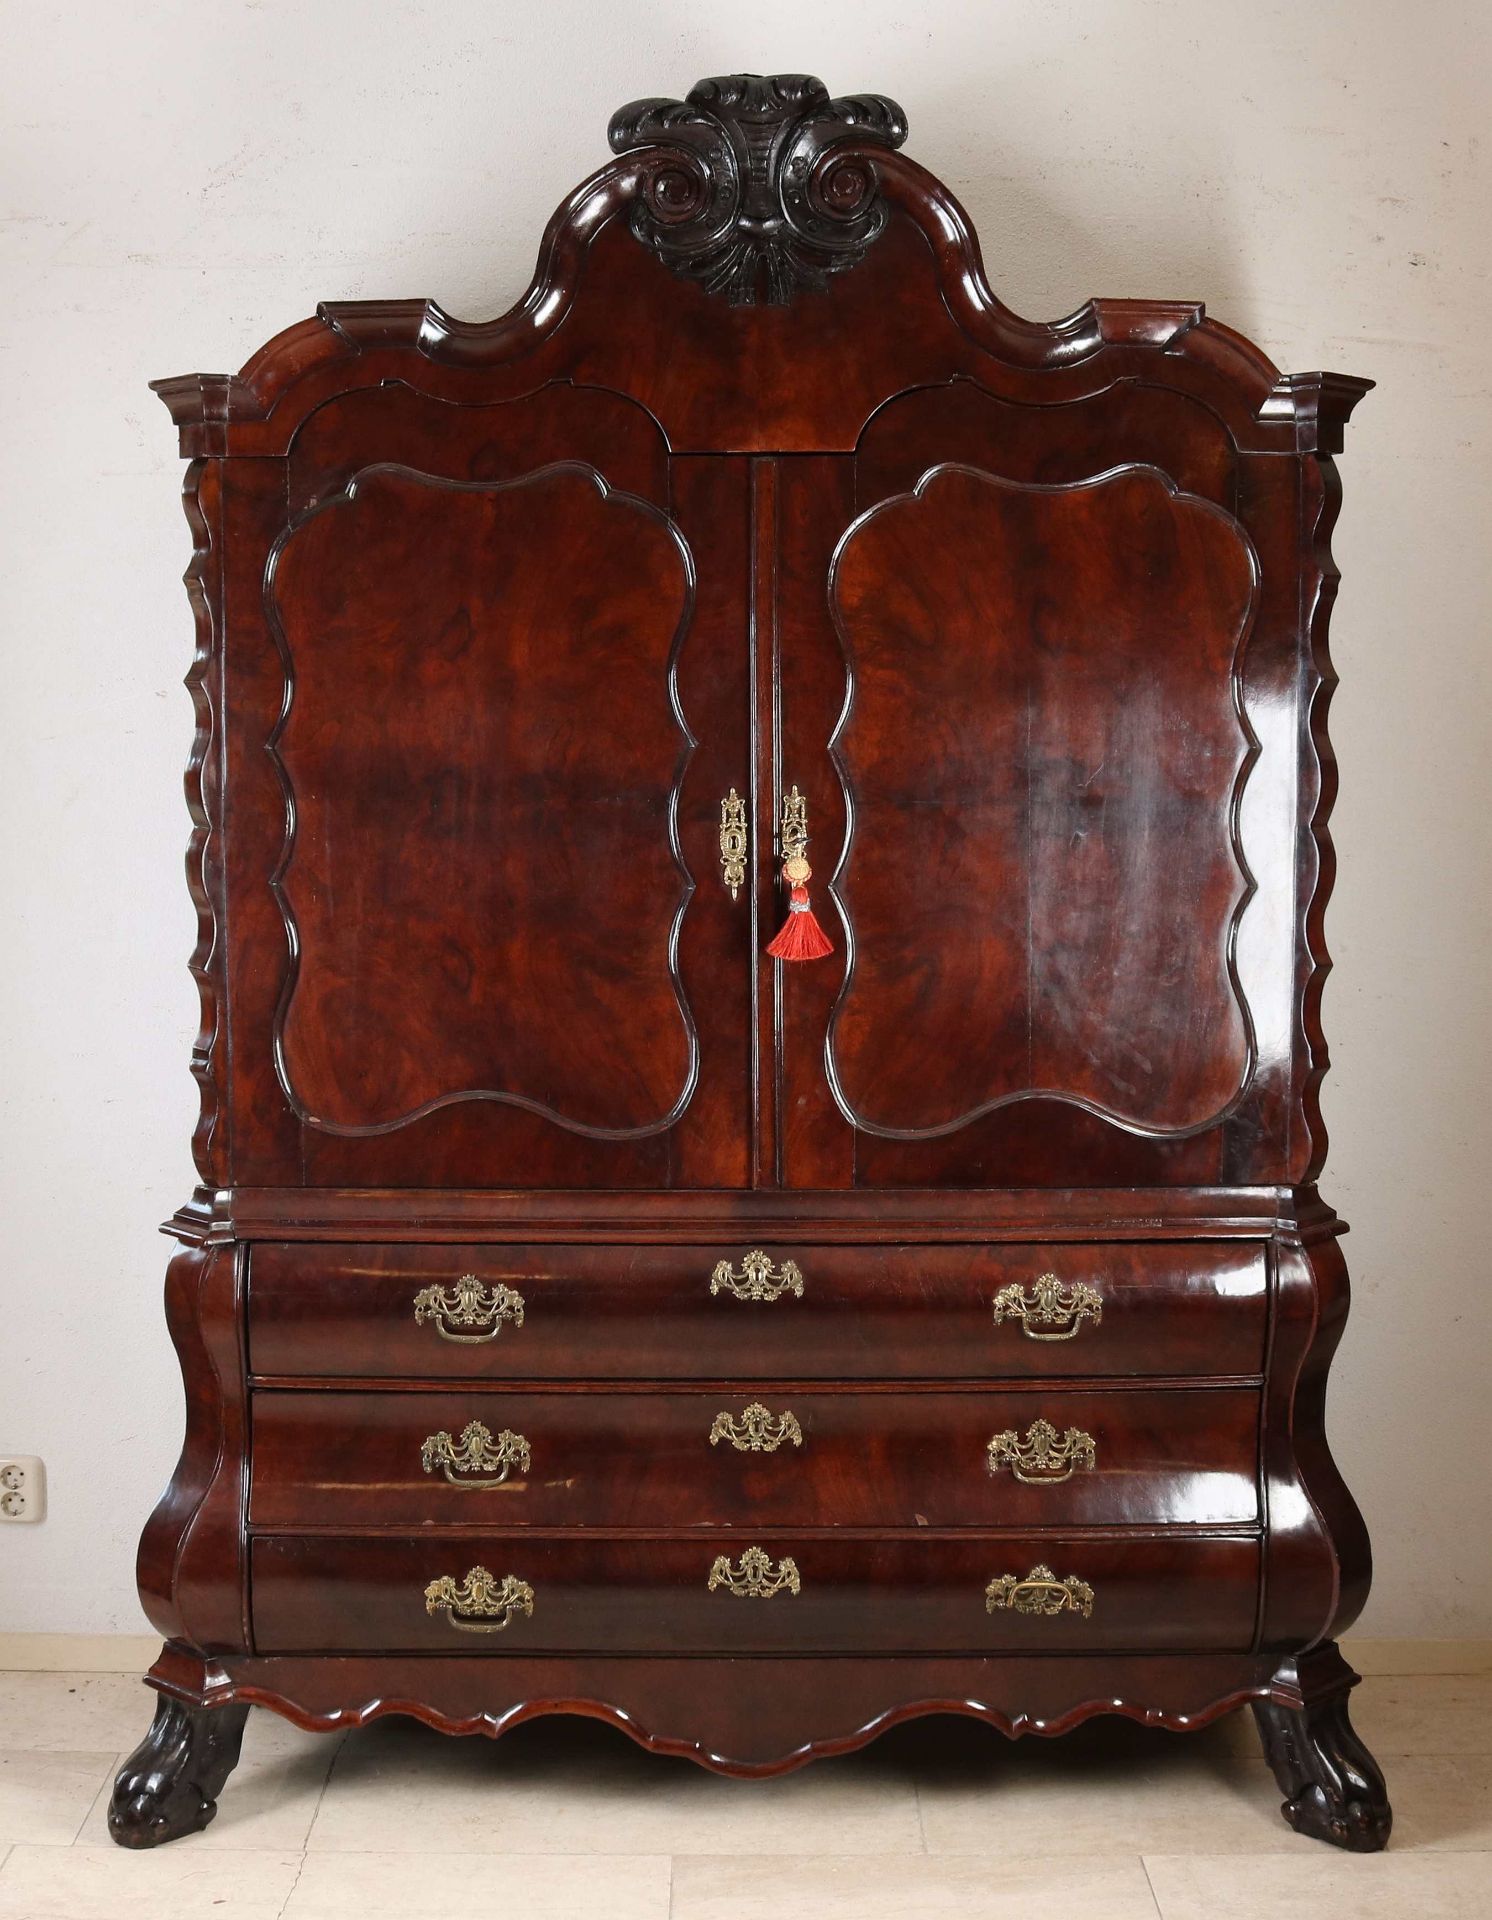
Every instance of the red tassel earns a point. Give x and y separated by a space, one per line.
801 938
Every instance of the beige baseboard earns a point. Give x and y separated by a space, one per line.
78 1652
134 1652
1371 1656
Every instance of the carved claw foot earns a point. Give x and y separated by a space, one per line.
1332 1786
170 1784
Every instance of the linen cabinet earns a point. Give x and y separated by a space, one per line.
759 836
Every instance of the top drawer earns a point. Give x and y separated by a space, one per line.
784 1311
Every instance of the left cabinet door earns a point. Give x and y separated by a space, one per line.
505 953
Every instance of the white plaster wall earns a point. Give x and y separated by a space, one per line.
182 180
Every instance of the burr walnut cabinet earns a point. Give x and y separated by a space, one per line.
583 1308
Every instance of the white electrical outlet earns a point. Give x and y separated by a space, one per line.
23 1487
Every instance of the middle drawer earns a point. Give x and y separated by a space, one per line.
746 1456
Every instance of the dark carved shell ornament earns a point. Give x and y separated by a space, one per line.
761 204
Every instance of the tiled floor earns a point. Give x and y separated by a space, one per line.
566 1820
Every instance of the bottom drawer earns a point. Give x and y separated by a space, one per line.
752 1593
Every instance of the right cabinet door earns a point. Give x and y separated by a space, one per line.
1038 766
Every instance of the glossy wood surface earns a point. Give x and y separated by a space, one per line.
747 1717
759 486
169 1785
956 854
1041 713
864 1312
761 505
860 1217
753 1717
1160 1456
431 844
638 1593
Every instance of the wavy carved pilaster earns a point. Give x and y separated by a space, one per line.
1320 405
200 500
1318 860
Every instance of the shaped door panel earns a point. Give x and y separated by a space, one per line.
1042 754
481 752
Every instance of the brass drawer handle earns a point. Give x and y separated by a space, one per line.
759 1278
1044 1458
733 842
476 1454
1053 1312
494 1601
756 1578
466 1305
1040 1592
756 1431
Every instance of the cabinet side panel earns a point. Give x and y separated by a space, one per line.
266 1132
192 1567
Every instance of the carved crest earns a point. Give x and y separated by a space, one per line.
760 205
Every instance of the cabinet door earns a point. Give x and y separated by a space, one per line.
510 957
1030 858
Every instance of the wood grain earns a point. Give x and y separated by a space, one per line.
759 485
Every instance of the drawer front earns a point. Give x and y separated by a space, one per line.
766 1455
776 1593
795 1312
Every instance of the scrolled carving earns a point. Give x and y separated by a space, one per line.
772 192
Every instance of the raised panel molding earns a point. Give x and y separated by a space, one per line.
964 946
463 439
1134 422
427 890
